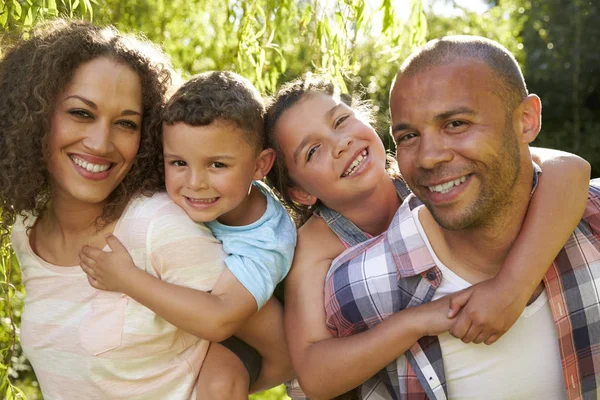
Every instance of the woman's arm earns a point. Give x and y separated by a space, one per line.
328 366
554 211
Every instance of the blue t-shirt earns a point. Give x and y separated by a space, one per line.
259 254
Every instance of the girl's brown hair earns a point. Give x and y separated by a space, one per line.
33 72
288 96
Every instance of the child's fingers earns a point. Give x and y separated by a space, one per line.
88 271
482 337
461 326
457 301
492 339
115 244
89 262
91 252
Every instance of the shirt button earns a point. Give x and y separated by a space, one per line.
431 276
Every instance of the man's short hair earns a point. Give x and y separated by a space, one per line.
219 96
511 84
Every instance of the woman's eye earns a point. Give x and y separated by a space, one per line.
128 124
217 165
80 113
178 163
310 152
339 121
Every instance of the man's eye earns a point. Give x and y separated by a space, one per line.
455 124
310 152
339 121
405 137
178 163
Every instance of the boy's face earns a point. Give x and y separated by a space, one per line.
208 169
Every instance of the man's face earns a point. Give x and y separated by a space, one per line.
455 143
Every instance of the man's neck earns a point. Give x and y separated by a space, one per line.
478 254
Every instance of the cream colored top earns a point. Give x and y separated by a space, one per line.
89 344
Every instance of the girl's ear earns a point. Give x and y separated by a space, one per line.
301 196
263 165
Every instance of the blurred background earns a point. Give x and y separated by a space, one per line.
359 43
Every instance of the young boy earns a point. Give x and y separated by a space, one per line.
214 161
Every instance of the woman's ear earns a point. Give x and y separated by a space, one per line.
263 165
301 196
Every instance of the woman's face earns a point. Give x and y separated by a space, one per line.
95 132
330 152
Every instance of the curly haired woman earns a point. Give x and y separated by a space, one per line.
79 145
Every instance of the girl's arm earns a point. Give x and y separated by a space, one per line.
554 211
213 316
326 366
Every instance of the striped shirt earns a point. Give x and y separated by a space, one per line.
89 344
395 270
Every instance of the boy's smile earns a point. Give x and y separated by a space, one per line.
209 169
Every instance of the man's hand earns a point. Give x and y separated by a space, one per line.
108 270
488 311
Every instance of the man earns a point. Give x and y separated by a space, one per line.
462 121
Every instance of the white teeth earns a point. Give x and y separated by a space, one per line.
89 166
211 200
445 187
356 163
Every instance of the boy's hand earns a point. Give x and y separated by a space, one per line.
108 270
488 311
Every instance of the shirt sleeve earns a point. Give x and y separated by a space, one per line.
260 255
184 252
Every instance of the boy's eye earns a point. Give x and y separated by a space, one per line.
310 152
339 121
455 124
80 113
178 163
217 165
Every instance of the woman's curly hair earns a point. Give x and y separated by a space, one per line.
33 72
286 97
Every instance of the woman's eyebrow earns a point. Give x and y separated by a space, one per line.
93 105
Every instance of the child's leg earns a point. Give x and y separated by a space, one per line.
222 376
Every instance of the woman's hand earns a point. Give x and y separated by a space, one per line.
108 270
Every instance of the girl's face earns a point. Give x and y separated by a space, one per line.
330 152
95 132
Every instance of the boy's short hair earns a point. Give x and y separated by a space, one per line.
219 96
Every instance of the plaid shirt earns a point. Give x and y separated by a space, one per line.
395 270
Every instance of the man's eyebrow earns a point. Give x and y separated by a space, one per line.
451 113
400 127
93 105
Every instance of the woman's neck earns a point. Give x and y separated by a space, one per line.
373 213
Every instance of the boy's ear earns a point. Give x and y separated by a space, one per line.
527 118
301 196
264 162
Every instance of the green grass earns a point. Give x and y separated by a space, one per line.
277 393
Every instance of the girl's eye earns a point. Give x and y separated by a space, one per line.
80 113
217 165
128 124
339 121
178 163
310 152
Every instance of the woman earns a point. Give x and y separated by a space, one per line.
322 139
79 143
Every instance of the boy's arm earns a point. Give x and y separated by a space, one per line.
327 366
554 211
212 316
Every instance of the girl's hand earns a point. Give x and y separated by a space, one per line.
108 270
488 311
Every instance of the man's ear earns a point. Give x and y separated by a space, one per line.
301 196
263 165
527 118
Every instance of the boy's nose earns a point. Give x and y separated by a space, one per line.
197 180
